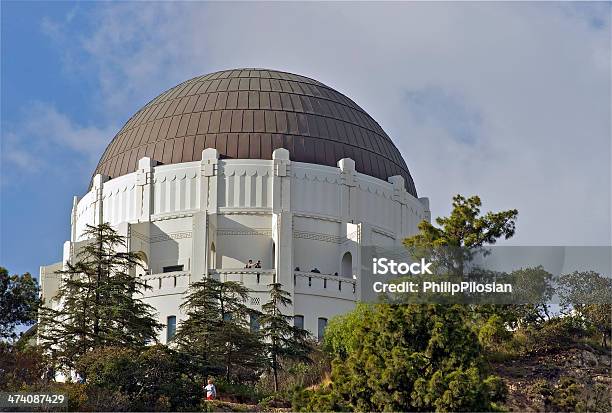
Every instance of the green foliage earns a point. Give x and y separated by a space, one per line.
20 366
99 303
555 334
461 234
113 368
414 357
340 339
493 332
150 379
421 357
283 340
298 374
216 334
18 302
239 392
323 400
588 293
569 395
498 391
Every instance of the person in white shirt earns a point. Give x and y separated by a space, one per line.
211 390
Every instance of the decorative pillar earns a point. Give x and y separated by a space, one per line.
73 218
98 188
282 218
144 188
400 201
205 221
427 211
348 190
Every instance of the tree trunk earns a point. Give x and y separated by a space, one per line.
274 371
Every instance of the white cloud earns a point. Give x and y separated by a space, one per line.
45 134
529 83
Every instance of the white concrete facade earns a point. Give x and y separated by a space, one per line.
208 218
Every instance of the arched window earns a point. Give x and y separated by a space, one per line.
347 265
170 327
144 263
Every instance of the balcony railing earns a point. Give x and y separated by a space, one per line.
245 275
327 284
165 282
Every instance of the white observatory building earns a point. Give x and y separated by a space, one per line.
250 164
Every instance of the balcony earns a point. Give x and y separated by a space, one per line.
334 286
246 276
175 282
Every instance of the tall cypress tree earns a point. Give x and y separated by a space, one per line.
283 340
97 304
215 333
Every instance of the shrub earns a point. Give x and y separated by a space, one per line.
556 333
324 400
411 357
493 332
20 366
125 379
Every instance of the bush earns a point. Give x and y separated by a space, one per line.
493 333
410 357
555 334
297 374
571 395
112 368
238 393
498 391
124 379
324 400
340 339
20 366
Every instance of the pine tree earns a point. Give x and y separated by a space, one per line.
414 358
97 304
461 235
215 333
283 340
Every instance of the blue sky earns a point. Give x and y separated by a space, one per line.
508 101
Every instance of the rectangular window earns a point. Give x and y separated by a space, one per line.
254 323
173 268
171 328
298 321
321 328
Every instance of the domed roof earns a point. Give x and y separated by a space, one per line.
248 113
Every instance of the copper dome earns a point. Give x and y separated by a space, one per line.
248 113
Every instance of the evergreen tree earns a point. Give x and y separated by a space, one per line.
215 333
283 340
422 357
462 234
414 358
97 303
